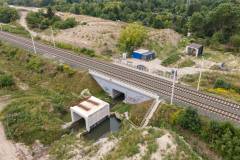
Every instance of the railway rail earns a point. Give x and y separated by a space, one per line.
162 87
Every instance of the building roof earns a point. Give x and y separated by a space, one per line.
143 52
195 45
89 106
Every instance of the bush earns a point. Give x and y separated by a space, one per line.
220 83
68 23
6 81
171 59
43 20
8 14
66 69
189 119
235 41
35 64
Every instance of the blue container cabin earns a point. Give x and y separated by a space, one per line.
143 54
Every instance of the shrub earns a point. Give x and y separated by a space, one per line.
220 83
8 14
43 20
235 41
35 64
171 59
189 119
68 23
6 81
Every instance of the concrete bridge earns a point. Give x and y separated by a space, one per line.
132 94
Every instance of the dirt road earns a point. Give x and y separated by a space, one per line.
8 150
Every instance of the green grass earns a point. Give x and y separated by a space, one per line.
16 29
136 111
39 112
209 79
121 108
85 51
186 63
173 58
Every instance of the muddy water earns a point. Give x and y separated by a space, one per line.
102 130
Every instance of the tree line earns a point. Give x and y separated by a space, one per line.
214 20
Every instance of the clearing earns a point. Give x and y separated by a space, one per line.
95 33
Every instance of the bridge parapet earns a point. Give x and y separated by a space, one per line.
132 94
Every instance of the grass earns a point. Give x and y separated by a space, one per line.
130 139
16 29
62 148
136 111
39 112
121 108
209 79
171 59
186 63
85 51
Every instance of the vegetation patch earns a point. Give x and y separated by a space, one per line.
28 119
6 80
39 112
222 137
186 63
173 58
8 14
225 84
138 111
132 37
41 20
85 51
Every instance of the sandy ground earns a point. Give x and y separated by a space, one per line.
96 33
103 145
8 150
155 68
166 146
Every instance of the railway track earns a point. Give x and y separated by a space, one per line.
150 83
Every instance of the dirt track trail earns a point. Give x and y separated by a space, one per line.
8 150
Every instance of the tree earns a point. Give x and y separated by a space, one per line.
132 37
50 14
197 22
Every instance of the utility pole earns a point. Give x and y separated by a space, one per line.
188 3
200 76
173 86
53 40
34 47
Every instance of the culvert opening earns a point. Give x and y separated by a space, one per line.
118 96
